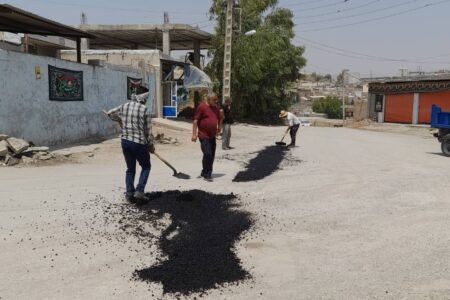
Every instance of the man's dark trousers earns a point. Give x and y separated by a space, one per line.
209 152
293 133
136 152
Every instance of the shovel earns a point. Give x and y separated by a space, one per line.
281 143
178 175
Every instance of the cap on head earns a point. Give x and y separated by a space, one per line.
283 114
142 98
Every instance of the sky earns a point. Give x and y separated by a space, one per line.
370 37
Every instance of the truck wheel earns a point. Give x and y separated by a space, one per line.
445 145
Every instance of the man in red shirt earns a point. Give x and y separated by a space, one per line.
206 127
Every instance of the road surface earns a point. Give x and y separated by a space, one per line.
364 215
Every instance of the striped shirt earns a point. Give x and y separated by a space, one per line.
136 122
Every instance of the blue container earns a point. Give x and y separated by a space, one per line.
439 119
169 111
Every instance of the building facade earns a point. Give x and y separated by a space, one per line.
408 101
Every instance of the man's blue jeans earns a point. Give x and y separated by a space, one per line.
208 147
136 152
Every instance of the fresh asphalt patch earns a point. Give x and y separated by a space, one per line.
198 243
194 233
266 162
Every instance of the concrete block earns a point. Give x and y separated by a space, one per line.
27 160
3 148
3 137
11 161
36 149
17 145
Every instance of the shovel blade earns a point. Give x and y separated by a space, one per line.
180 175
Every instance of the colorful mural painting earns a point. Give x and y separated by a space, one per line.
133 85
65 85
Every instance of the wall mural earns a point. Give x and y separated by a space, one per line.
65 85
408 87
133 85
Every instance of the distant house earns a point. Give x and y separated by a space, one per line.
408 100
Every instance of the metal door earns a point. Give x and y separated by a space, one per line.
169 93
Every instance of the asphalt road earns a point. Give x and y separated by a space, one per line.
363 215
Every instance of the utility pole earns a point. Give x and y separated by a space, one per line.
343 95
226 91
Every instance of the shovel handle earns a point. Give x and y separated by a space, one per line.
166 162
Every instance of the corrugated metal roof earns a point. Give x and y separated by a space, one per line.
15 20
146 36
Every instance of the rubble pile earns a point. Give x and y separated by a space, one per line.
14 151
160 139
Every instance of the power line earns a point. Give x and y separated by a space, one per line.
324 6
370 56
303 3
375 19
339 11
361 56
360 14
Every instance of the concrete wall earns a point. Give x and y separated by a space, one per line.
26 111
147 61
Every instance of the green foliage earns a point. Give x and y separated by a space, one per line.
263 65
331 106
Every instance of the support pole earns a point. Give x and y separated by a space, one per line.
197 54
79 50
226 91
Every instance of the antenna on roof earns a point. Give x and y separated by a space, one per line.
83 18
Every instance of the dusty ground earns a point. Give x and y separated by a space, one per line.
364 215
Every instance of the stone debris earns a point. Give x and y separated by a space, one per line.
3 148
11 160
160 139
36 149
43 156
14 151
17 145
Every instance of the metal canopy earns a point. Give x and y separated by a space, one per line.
15 20
146 36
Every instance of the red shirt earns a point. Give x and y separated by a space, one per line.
207 120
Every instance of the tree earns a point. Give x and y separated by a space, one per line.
328 77
263 65
331 106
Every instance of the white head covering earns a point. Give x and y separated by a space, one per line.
141 98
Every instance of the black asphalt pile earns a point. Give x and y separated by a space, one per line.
196 248
264 164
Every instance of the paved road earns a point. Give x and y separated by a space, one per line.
364 215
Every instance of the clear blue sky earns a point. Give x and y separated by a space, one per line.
419 37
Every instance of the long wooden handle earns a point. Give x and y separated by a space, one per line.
166 162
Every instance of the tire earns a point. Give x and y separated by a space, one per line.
445 145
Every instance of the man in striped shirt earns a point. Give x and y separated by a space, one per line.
137 142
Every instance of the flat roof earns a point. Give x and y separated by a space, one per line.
146 36
15 20
437 77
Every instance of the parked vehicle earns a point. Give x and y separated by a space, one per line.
305 123
441 121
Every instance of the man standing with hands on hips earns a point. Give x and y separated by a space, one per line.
227 120
206 127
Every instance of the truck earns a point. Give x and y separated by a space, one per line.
441 120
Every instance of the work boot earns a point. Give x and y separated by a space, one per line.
140 198
129 197
209 179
